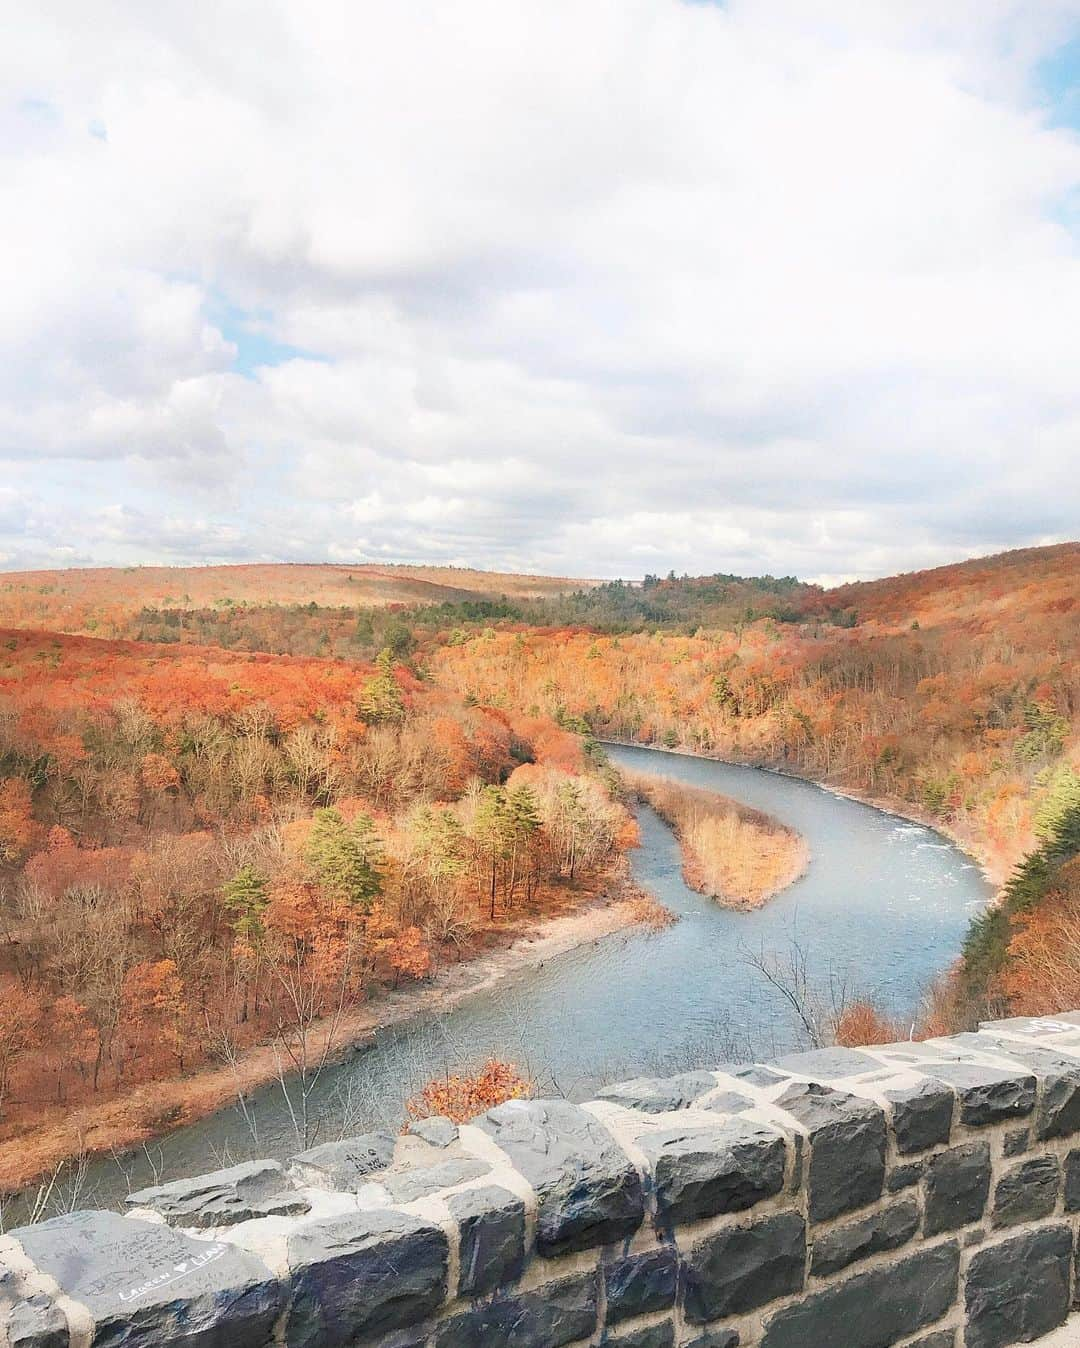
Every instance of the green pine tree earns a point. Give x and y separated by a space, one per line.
345 859
525 823
381 700
245 900
492 831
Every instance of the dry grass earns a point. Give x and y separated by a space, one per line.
98 599
647 911
737 855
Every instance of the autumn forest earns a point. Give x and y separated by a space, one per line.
237 802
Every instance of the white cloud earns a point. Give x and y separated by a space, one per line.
590 287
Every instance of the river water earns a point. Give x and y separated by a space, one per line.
882 908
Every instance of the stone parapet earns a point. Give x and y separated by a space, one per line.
924 1195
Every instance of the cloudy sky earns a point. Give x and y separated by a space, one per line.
583 286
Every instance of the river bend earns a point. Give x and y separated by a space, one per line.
882 908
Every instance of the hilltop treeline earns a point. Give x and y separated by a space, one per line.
685 604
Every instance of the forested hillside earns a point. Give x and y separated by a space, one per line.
201 850
955 693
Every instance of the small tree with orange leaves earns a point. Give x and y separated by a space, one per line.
862 1023
409 954
462 1097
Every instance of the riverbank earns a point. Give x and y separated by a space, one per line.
883 908
994 872
739 856
109 1127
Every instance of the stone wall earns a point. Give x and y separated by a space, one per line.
912 1194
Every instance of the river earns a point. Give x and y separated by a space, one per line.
882 908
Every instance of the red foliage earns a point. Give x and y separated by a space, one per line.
461 1098
16 819
862 1023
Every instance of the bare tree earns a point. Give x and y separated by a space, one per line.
302 1053
817 1003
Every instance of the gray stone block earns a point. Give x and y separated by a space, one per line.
944 1338
1035 1025
146 1285
224 1197
755 1075
827 1064
653 1336
491 1222
1059 1077
659 1095
885 1230
904 1176
740 1268
552 1316
36 1322
921 1116
1027 1192
640 1283
700 1172
1016 1142
956 1187
727 1102
437 1131
588 1191
1059 1102
873 1309
1018 1289
362 1275
987 1094
847 1147
344 1166
406 1186
1072 1181
717 1338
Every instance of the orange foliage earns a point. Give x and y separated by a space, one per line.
1042 972
461 1098
151 776
862 1023
410 954
65 866
950 695
16 819
158 774
155 1010
21 1016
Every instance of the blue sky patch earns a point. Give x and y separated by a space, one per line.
1059 77
255 347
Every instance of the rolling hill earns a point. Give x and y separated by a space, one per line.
102 599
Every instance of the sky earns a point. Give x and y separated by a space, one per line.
586 287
